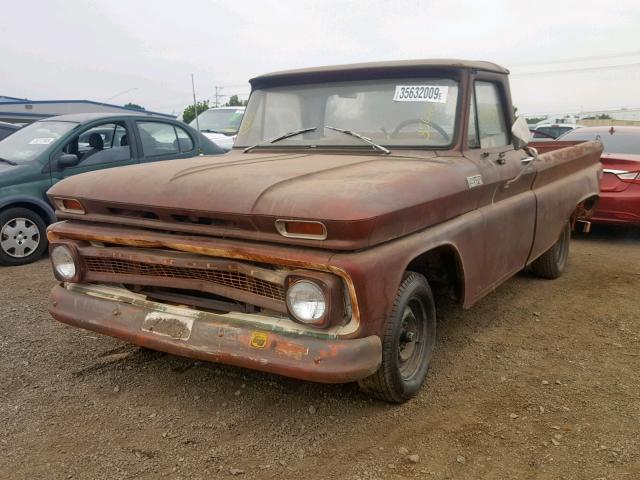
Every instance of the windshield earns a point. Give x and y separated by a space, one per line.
550 132
225 120
620 141
417 112
29 142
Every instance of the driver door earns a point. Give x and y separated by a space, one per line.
508 205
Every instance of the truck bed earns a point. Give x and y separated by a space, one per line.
544 147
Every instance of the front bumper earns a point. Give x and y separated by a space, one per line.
218 337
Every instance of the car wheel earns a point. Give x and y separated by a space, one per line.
22 236
553 262
407 344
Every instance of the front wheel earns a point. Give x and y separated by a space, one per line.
22 236
552 263
408 343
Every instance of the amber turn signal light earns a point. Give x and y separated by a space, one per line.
71 205
302 229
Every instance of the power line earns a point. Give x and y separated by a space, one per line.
187 96
179 105
182 100
576 70
243 85
578 59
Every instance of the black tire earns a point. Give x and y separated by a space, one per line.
405 359
23 236
552 263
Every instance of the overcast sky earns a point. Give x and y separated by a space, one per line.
81 49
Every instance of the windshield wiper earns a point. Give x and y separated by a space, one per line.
361 137
281 137
211 130
10 162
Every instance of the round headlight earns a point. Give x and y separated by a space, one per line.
63 262
306 301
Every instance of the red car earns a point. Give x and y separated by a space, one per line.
620 184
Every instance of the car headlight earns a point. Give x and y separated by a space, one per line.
306 301
64 262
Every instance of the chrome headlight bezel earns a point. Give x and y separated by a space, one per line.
65 263
306 301
327 287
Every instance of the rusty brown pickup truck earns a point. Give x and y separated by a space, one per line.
354 196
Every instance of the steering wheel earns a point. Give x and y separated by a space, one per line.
412 121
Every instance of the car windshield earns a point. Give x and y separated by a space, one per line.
407 112
616 141
224 120
27 143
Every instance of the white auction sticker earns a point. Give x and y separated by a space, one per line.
41 141
421 93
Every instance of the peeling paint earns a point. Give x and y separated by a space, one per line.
173 326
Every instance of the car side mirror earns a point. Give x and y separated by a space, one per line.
68 160
520 133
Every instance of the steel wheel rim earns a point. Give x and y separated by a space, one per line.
19 237
412 340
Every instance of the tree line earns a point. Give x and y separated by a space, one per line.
190 113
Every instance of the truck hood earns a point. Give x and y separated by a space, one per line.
362 199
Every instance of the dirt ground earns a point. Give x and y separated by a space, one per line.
539 380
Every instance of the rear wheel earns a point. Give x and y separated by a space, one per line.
408 343
22 236
552 263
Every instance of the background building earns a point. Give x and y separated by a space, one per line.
21 110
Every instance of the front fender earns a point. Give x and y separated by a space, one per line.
377 272
25 201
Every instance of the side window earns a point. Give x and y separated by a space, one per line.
102 144
492 128
5 132
538 133
158 139
184 140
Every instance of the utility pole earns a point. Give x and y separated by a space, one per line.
218 89
195 103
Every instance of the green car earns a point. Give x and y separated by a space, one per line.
38 155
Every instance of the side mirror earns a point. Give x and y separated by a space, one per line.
520 133
68 160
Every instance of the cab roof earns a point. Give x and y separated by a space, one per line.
370 70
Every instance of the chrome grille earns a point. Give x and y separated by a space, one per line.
237 280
